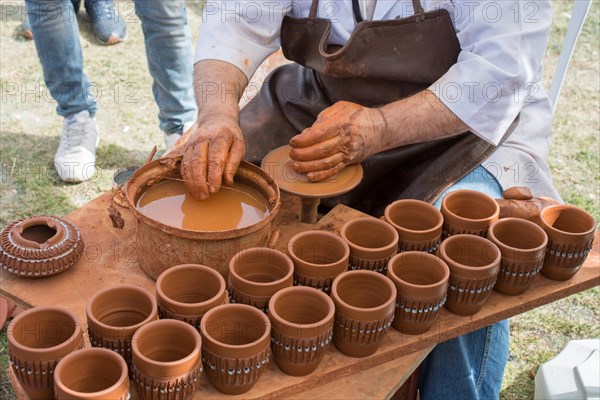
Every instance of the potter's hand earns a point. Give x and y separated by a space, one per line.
343 134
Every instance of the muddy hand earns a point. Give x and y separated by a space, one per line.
343 134
518 202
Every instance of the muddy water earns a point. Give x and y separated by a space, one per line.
230 208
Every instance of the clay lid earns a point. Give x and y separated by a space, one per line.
518 239
370 238
318 254
470 256
470 209
568 224
260 271
363 295
419 275
415 220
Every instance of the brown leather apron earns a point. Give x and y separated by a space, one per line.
382 62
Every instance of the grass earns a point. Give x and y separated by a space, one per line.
30 129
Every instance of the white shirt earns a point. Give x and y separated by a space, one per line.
497 75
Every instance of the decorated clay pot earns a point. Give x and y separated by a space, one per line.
318 258
419 225
114 314
302 328
186 292
37 340
91 374
422 283
468 212
570 233
236 346
364 310
522 245
166 360
258 273
372 243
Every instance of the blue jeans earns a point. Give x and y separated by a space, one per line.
168 48
470 366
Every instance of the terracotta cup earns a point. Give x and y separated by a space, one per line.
570 233
37 339
422 283
186 292
236 346
114 314
91 374
302 328
468 212
364 310
167 359
419 225
522 245
258 273
318 258
372 243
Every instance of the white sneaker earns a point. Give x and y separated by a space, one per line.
75 159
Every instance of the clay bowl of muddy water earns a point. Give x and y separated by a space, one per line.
172 228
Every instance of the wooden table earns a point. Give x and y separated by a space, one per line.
110 258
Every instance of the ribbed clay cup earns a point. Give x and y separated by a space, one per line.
422 283
166 360
37 339
115 314
235 350
570 233
301 328
419 225
91 374
522 245
318 258
186 292
468 212
258 273
372 243
364 310
474 264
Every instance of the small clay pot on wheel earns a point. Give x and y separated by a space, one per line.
468 212
419 225
372 243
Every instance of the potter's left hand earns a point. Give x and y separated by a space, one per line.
343 134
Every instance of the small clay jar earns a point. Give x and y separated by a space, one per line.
258 273
318 258
167 359
570 233
186 292
422 283
522 245
364 310
474 264
372 243
302 328
236 346
419 225
114 314
37 340
468 212
91 374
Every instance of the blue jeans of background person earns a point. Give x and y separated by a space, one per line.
168 48
470 366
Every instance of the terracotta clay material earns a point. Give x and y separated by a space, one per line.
364 304
37 339
422 283
419 225
39 246
258 273
302 328
166 360
186 292
114 314
91 374
372 243
235 350
474 264
570 233
522 245
318 258
468 212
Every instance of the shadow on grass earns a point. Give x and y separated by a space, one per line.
522 387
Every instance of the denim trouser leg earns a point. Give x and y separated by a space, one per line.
169 52
56 33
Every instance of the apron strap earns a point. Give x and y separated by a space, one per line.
417 6
356 10
314 7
